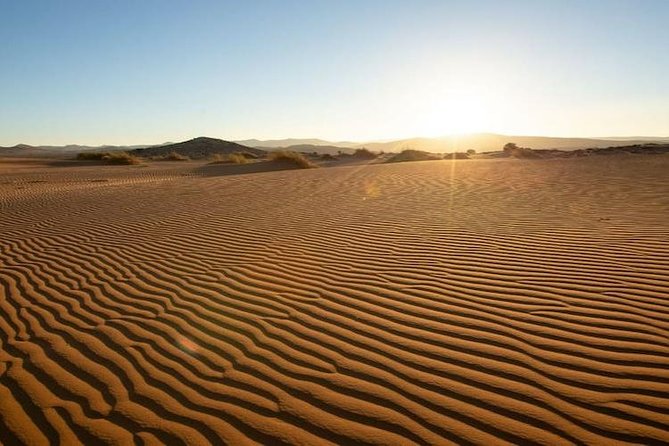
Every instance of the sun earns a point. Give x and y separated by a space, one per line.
458 112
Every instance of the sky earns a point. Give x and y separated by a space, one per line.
144 72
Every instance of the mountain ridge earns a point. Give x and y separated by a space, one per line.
481 142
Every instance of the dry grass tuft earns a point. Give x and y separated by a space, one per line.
172 156
121 158
92 156
412 155
109 157
231 158
297 159
364 154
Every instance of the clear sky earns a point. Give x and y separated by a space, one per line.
149 71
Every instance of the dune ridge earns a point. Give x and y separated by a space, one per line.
441 302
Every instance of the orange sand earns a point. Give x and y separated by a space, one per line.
468 302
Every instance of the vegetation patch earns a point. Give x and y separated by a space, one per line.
110 157
412 155
365 154
172 156
514 151
92 156
230 158
293 158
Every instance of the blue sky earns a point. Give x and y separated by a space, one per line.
149 71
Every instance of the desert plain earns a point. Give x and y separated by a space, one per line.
441 302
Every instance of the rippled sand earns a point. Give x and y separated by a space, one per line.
467 302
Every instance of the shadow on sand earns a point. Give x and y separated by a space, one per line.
215 170
75 163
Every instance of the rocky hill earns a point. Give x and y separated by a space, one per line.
201 147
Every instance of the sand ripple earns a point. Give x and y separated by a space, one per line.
491 302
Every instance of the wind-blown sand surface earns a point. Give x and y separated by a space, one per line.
468 302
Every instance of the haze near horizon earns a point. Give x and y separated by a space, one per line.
129 73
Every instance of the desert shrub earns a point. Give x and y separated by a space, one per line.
412 155
471 152
217 158
294 158
120 158
327 157
511 149
524 152
229 158
109 157
364 154
92 156
172 156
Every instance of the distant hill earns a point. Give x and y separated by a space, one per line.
313 148
27 151
24 151
485 142
201 147
636 149
656 139
285 143
481 142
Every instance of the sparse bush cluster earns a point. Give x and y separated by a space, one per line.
91 156
412 155
294 158
364 154
172 156
109 157
230 158
511 149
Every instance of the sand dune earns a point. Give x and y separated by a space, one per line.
445 302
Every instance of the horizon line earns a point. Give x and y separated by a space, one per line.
346 140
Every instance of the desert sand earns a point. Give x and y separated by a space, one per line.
441 302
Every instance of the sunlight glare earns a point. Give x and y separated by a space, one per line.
458 112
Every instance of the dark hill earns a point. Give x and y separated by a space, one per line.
321 150
26 151
634 149
643 149
198 148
